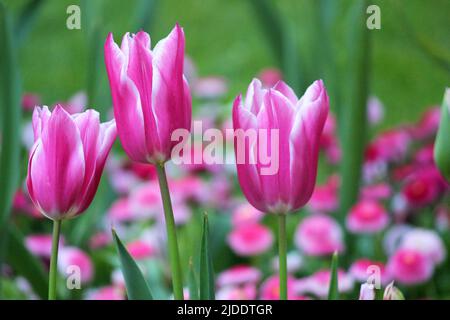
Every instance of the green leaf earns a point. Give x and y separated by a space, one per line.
193 284
137 288
333 290
10 113
442 143
281 37
207 287
145 14
352 115
26 19
25 264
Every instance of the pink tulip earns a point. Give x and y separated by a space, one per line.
319 235
409 266
299 124
150 95
250 239
67 160
367 216
238 275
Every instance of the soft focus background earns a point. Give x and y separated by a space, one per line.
407 67
224 38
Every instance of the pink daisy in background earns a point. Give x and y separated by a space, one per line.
319 235
367 216
250 239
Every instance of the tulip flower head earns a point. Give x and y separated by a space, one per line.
67 160
286 129
151 98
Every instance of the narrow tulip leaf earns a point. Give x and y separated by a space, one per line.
193 283
333 290
442 143
137 288
352 115
27 19
25 264
207 286
10 114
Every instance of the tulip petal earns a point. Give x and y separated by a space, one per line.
104 140
286 91
171 98
254 96
275 117
40 119
247 172
312 111
140 71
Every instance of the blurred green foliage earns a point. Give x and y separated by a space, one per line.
224 38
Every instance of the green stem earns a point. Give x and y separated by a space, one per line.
171 234
54 260
282 255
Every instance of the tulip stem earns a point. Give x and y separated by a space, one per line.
54 260
171 234
282 255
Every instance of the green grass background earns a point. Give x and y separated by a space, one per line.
224 38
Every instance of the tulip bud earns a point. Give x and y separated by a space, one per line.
367 292
392 293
